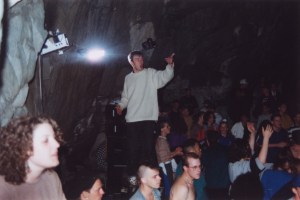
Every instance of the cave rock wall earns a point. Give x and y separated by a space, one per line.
23 37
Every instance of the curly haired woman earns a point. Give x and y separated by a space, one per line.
28 151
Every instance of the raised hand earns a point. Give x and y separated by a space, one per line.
170 59
250 127
267 132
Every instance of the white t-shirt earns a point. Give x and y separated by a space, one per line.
237 130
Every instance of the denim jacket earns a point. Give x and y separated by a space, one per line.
139 196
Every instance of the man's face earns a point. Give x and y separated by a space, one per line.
151 178
211 119
297 119
137 63
96 192
194 168
185 112
166 129
295 149
45 148
282 108
223 129
276 123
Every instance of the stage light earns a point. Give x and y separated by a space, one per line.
95 55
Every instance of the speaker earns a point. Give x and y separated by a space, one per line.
116 149
115 124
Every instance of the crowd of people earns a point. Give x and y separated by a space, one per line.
259 148
239 149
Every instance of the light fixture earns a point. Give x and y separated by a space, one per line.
55 42
95 54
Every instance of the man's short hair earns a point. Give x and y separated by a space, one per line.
161 123
187 156
239 149
275 115
143 166
189 144
134 53
212 137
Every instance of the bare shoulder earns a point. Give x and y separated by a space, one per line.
179 191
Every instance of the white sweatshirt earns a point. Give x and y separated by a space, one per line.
139 94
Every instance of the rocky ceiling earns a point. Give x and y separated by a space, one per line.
216 42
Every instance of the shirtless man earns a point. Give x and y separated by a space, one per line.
183 188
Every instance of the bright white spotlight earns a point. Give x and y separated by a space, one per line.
95 55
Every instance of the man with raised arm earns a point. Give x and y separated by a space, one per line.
139 96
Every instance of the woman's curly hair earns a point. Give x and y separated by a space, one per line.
16 145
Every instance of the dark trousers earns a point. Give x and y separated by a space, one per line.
168 179
140 144
217 194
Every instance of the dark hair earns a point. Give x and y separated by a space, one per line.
207 115
224 122
186 106
280 103
189 143
294 136
80 184
143 166
196 117
161 123
149 163
187 156
275 115
284 157
263 124
15 143
244 115
247 186
212 137
134 53
239 149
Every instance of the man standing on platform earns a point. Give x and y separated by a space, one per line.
139 96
